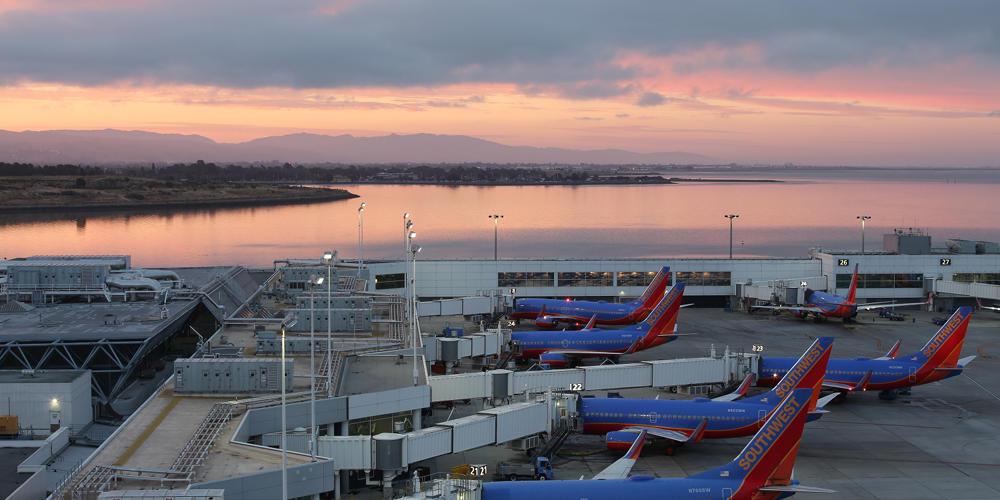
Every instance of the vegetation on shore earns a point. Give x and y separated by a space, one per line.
384 174
98 192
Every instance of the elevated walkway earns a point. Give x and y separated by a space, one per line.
976 290
495 384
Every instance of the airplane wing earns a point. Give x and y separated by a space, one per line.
795 488
870 307
892 352
621 467
676 436
689 304
739 392
811 309
859 386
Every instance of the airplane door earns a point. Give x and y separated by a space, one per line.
727 493
761 418
653 417
913 374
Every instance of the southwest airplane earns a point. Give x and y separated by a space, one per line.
550 313
689 421
566 347
823 305
936 360
763 470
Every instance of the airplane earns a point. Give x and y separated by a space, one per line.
986 307
690 421
822 305
551 313
891 374
563 348
762 470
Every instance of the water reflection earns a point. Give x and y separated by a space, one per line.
593 221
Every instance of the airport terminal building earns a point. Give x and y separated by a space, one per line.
903 270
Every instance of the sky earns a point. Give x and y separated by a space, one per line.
893 82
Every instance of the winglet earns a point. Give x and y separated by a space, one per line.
699 432
591 323
740 391
892 351
862 384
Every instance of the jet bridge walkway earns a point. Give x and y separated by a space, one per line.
976 290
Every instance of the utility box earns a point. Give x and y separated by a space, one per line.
230 375
9 425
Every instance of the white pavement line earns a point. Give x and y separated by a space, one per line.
987 391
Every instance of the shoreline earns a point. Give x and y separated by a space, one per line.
321 195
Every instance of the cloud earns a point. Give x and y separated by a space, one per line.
569 47
648 99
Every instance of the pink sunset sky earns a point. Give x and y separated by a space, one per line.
895 82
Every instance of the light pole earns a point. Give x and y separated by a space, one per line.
361 236
409 276
407 228
313 280
328 259
863 219
731 217
416 375
496 234
284 423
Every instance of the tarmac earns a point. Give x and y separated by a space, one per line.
943 441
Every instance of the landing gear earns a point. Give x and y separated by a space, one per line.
888 395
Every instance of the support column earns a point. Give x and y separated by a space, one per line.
417 419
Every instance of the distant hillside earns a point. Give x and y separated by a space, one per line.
117 146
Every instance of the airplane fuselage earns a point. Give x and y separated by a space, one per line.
532 344
633 488
608 313
725 419
887 374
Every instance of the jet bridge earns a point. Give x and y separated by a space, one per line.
392 452
499 384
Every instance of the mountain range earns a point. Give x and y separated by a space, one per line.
105 147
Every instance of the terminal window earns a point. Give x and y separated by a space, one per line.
385 281
522 280
987 278
705 278
882 281
585 279
637 278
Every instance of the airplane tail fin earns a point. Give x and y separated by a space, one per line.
852 293
661 320
944 348
806 373
655 288
768 459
